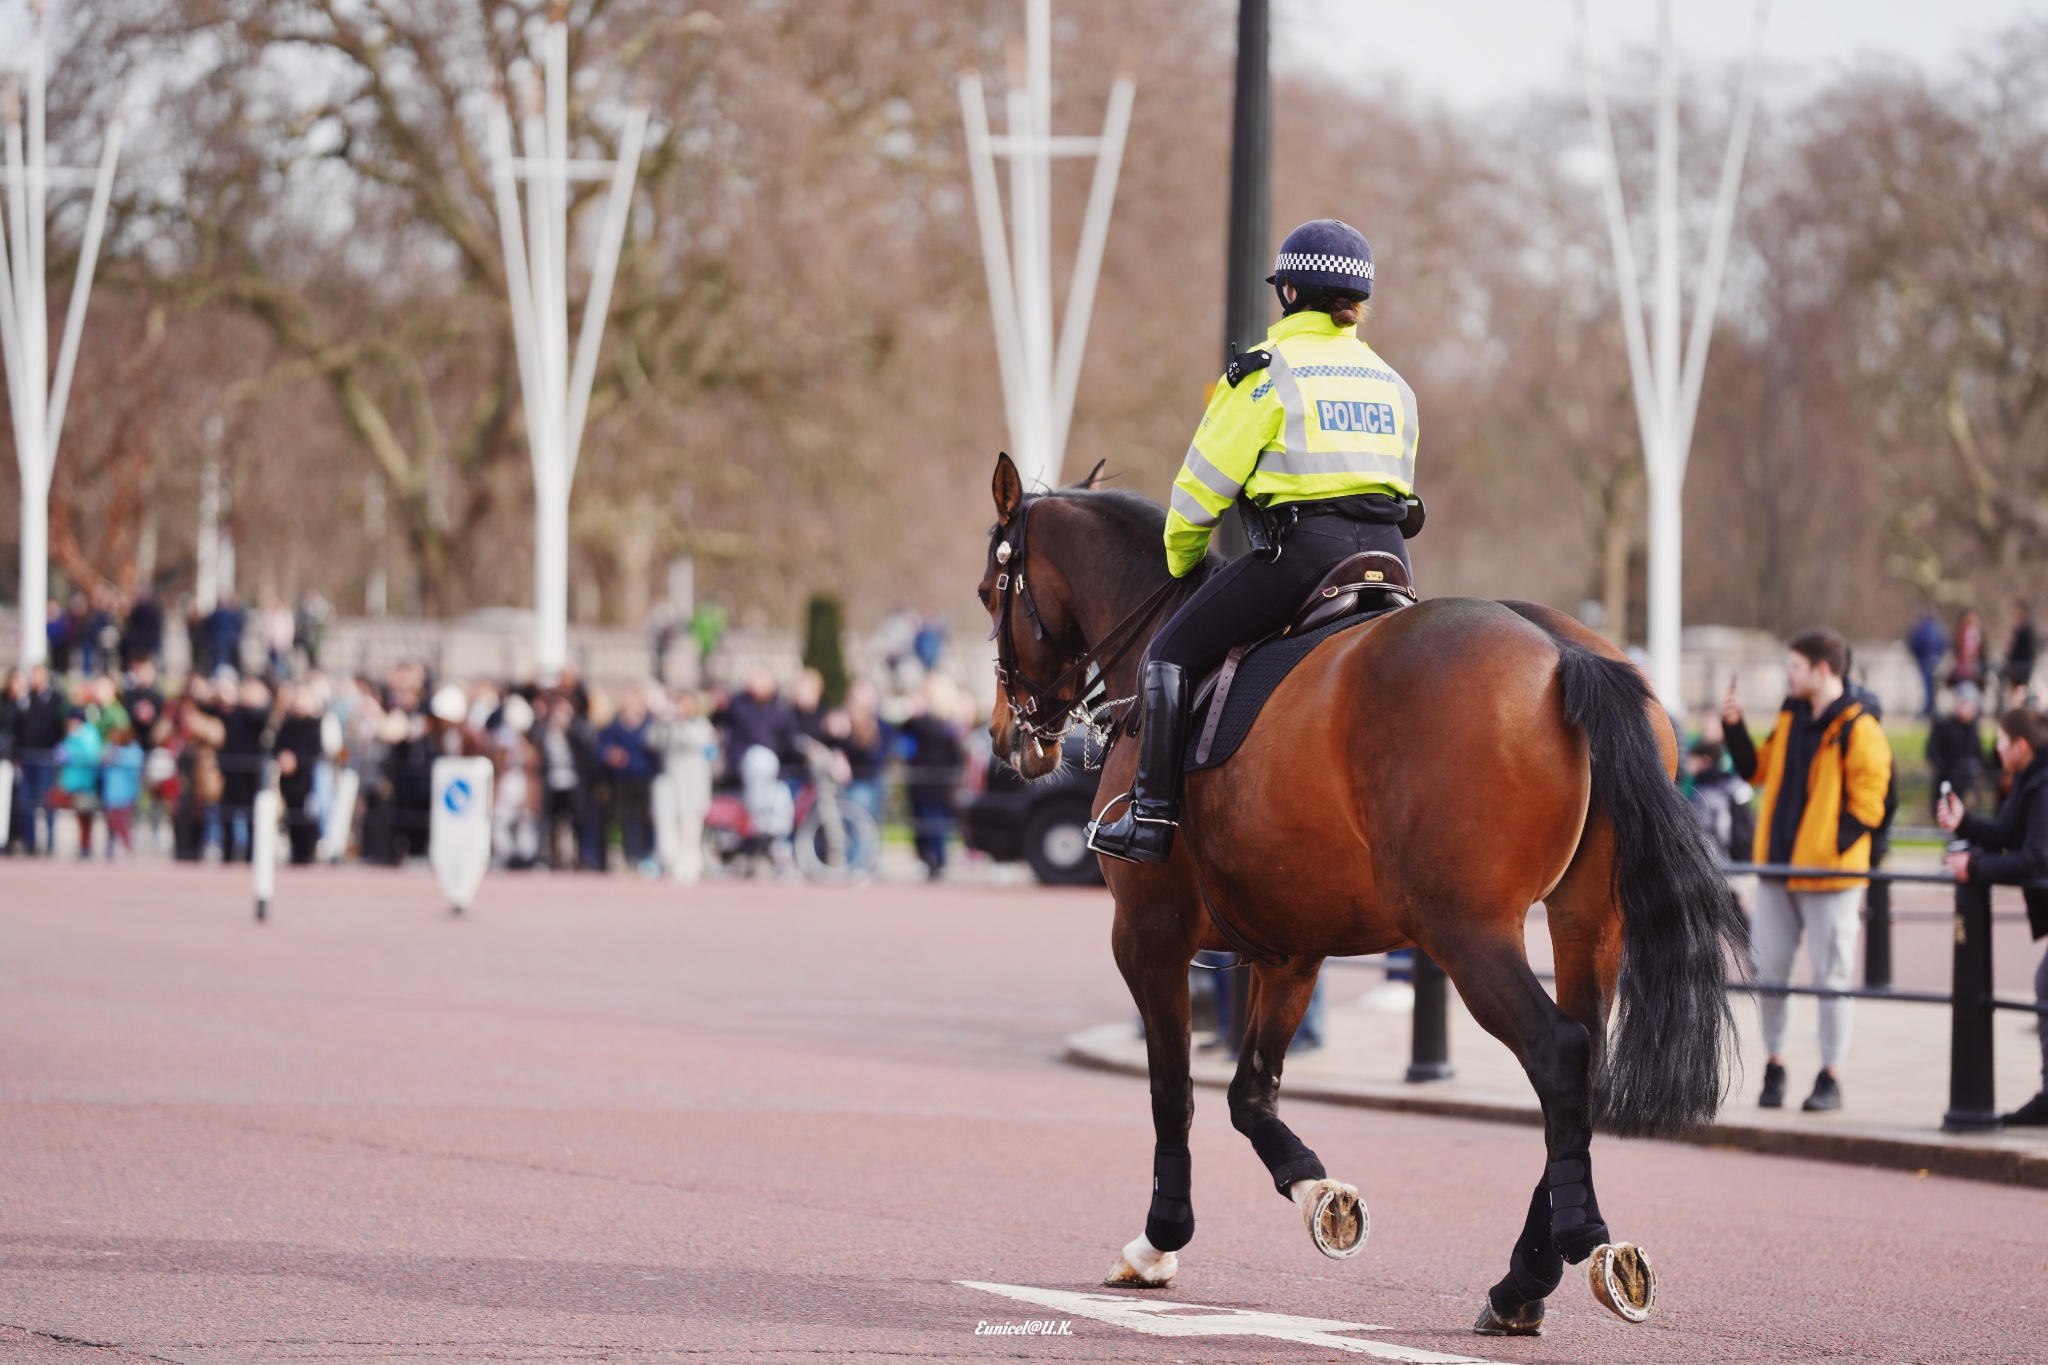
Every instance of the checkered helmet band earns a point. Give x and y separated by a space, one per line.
1323 265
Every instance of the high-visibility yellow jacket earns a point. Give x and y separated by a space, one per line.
1830 788
1327 419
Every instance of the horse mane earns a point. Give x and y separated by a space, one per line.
1134 548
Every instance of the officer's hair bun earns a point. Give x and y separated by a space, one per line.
1345 309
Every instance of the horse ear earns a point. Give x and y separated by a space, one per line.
1009 487
1094 479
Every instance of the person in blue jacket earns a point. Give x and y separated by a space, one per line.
1927 642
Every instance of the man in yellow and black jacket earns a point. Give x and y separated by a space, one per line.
1823 778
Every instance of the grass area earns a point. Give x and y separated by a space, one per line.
1909 758
1909 741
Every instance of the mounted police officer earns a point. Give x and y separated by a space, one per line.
1313 437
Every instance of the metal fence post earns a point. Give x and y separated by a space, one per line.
1877 936
1430 1055
1972 1097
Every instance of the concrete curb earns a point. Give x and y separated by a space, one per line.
1959 1156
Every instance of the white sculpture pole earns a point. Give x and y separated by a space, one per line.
206 574
36 399
536 280
1666 379
1039 381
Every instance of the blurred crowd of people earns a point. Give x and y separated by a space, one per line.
107 632
578 769
1964 660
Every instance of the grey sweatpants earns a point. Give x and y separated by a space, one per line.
1828 920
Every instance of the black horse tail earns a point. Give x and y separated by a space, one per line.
1672 1050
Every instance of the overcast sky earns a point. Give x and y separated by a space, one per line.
1473 52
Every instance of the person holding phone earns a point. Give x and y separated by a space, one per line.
2013 847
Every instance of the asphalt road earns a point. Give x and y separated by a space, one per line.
608 1120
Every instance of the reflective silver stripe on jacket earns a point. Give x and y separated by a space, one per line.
1192 511
1296 433
1212 478
1340 462
1407 429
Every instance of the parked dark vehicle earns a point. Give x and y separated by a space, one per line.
1045 823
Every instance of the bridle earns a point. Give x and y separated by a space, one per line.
1055 709
1054 712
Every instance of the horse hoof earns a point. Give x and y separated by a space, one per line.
1526 1321
1337 1220
1141 1267
1623 1280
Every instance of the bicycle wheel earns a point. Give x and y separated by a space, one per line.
860 844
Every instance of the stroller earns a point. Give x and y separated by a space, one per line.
766 824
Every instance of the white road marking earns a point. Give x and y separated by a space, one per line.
1166 1318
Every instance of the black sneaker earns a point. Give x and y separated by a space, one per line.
2032 1114
1774 1087
1827 1094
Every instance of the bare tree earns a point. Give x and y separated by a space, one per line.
799 384
1921 238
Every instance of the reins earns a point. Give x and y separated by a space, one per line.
1060 700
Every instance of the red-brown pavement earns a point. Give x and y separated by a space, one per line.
615 1120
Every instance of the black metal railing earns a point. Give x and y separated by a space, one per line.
1972 1000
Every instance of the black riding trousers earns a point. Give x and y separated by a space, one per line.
1249 598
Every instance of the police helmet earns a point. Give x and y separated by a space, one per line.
1325 254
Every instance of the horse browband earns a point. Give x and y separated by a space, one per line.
1104 655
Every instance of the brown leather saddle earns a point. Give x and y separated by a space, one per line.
1366 583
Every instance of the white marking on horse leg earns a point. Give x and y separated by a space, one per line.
1144 1264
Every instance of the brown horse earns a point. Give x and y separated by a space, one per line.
1423 779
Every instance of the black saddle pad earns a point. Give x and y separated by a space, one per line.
1258 673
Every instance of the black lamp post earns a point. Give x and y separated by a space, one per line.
1247 301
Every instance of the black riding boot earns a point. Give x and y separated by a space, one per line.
1144 832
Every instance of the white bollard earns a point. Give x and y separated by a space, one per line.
6 801
341 817
662 807
459 828
263 819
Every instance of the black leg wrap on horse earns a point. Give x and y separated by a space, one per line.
1171 1223
1284 1154
1534 1267
1576 1227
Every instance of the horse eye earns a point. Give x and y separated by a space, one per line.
982 593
